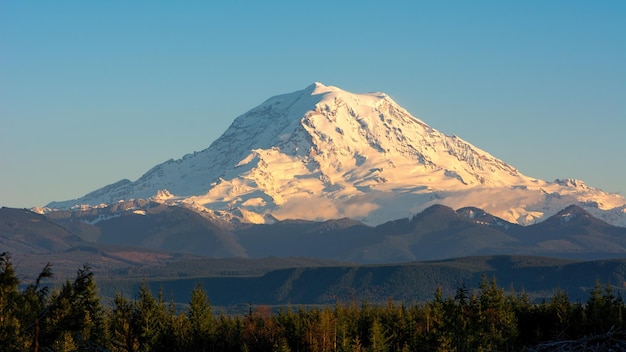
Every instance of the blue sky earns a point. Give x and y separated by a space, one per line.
93 92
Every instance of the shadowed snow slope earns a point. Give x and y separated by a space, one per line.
323 153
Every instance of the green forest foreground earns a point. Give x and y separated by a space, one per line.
72 318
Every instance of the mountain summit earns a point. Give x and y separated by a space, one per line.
323 153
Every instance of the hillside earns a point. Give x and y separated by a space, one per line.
22 231
539 277
156 226
438 232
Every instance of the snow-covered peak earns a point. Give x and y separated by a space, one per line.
323 152
319 88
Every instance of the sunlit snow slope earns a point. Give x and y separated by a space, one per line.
325 153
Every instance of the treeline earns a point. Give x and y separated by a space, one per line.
72 318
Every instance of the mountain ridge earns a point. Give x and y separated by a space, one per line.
130 239
435 233
323 153
537 277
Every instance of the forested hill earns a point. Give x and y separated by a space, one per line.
538 277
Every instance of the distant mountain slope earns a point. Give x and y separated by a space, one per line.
438 232
33 240
324 153
154 226
22 231
574 230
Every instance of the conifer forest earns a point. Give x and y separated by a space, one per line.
72 317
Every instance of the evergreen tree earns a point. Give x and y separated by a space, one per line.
435 324
526 314
123 333
560 311
229 332
327 331
291 328
377 338
10 326
496 318
461 318
200 319
602 309
86 311
70 318
175 336
34 312
147 319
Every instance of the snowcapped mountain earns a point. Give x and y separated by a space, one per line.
323 153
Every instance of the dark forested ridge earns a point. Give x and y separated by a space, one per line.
72 317
538 277
438 232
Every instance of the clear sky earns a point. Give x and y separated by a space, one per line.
92 92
